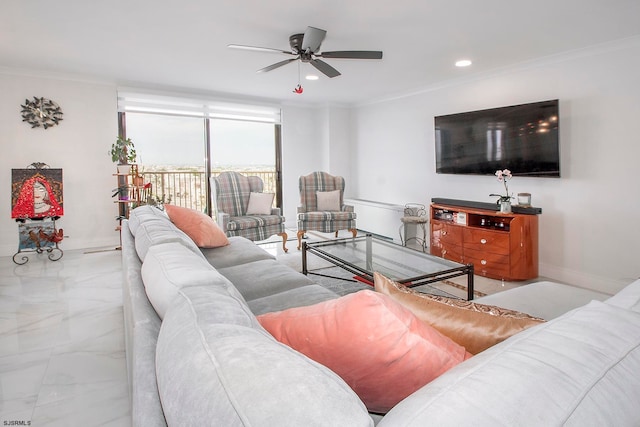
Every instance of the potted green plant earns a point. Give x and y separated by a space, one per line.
124 153
122 192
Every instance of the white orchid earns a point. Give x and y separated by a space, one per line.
503 176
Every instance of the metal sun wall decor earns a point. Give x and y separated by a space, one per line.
41 112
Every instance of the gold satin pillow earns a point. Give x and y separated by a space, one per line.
474 326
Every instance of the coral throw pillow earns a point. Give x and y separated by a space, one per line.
201 228
474 326
377 346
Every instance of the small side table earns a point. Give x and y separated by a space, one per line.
414 214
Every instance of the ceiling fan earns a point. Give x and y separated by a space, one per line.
305 47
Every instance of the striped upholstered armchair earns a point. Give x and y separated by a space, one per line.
322 207
242 208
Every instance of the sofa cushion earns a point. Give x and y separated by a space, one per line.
170 266
216 365
265 277
628 297
474 326
239 251
377 346
145 213
324 216
238 223
201 228
156 232
297 297
579 369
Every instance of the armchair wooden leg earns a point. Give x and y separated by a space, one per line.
300 234
353 231
284 241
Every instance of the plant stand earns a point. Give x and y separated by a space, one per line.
38 236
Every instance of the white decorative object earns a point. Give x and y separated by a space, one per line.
524 199
328 200
260 203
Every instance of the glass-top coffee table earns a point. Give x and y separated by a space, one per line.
363 255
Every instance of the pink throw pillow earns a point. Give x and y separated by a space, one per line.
201 228
377 346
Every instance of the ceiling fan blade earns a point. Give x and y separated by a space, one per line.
325 68
259 49
312 39
352 54
276 65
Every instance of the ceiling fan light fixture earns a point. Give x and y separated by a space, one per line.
311 77
463 63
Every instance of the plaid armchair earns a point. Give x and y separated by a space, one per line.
231 192
310 217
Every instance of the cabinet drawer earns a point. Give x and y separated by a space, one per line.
450 252
446 233
488 264
496 242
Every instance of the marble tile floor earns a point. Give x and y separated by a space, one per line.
62 355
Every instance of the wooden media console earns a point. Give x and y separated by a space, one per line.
500 246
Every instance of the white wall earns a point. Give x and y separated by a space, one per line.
589 234
340 156
79 145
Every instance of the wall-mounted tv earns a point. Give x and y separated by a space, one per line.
522 138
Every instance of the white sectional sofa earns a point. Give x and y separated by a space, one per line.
197 355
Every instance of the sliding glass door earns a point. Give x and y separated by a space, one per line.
177 154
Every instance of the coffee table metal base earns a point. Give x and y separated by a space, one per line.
365 266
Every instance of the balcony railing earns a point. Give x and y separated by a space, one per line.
189 188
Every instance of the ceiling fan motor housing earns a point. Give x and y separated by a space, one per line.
295 41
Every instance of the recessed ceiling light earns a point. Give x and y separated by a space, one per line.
463 63
311 77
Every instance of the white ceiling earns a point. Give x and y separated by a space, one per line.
182 45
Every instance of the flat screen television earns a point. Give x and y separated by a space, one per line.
522 138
